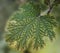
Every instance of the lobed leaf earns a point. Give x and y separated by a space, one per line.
26 24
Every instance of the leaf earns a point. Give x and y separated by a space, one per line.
26 24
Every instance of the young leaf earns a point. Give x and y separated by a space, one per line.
26 24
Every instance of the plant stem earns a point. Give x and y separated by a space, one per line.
51 7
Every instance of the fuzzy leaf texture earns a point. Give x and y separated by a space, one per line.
26 23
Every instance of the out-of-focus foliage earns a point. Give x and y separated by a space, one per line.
47 2
27 23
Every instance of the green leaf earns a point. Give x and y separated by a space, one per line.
26 24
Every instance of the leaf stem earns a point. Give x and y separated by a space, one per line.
51 7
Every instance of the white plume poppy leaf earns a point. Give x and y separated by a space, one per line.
25 24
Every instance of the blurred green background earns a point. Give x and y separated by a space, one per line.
7 7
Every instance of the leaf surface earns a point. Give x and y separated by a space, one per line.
26 24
